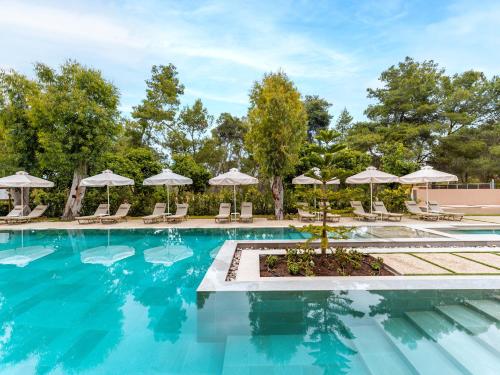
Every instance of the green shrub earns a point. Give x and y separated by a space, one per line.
271 261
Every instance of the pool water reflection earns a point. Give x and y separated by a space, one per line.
59 315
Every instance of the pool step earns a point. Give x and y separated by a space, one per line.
423 353
475 323
290 354
487 307
466 350
378 351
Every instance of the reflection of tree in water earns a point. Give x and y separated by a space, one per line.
327 332
50 345
311 319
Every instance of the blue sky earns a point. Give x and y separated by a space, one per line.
335 49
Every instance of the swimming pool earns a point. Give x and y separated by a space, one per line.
467 231
64 311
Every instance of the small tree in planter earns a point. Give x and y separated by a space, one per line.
321 156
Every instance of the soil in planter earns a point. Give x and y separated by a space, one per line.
324 265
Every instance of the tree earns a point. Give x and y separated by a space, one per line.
187 166
20 135
344 123
193 122
157 111
278 126
323 156
318 117
407 108
76 114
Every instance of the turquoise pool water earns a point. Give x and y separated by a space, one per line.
125 302
471 231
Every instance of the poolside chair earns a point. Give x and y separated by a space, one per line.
359 212
415 211
246 212
120 215
224 213
15 212
305 215
157 215
180 213
334 218
434 207
37 212
379 208
101 211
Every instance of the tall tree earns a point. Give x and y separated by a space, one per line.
407 108
20 135
230 134
157 111
278 126
318 115
76 113
344 123
194 122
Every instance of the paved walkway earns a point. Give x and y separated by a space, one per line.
257 223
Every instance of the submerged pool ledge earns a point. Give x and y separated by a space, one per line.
215 277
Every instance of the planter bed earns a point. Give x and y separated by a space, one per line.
324 265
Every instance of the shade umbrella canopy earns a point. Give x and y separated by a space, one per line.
425 175
372 176
23 179
106 178
233 178
167 178
306 180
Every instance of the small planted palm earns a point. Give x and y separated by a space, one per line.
321 155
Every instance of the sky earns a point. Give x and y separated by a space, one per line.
335 49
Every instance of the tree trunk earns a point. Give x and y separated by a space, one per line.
16 195
277 190
324 233
76 194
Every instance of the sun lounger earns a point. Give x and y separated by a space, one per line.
305 215
359 212
157 215
334 218
246 212
120 215
180 213
101 211
415 211
15 212
379 209
224 212
434 207
37 212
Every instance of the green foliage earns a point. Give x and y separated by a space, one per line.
278 123
187 166
377 265
394 198
318 115
300 260
157 111
192 123
344 123
271 261
347 259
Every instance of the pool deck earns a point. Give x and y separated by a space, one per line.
137 222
